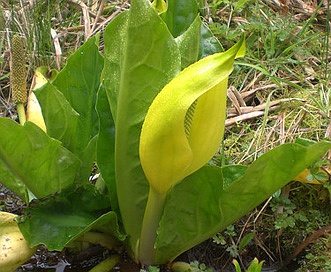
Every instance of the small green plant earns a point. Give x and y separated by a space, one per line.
255 266
191 267
197 267
234 248
317 257
289 216
315 173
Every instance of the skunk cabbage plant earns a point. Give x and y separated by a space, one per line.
149 114
181 132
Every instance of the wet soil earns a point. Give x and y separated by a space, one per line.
65 261
68 260
214 256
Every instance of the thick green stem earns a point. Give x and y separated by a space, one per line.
21 113
153 214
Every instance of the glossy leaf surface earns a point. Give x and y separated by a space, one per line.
141 56
30 159
57 220
189 219
180 15
68 104
208 42
106 146
188 43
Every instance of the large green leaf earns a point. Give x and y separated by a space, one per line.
30 159
188 43
208 42
180 15
106 146
79 81
180 18
115 42
58 220
141 56
68 104
200 206
61 119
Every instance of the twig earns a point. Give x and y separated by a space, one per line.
110 18
245 94
86 18
100 10
246 116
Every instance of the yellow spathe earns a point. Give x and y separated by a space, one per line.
177 140
14 250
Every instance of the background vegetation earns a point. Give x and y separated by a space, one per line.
279 92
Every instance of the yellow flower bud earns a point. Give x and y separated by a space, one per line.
14 250
185 123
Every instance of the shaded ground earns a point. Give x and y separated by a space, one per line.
209 253
214 256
